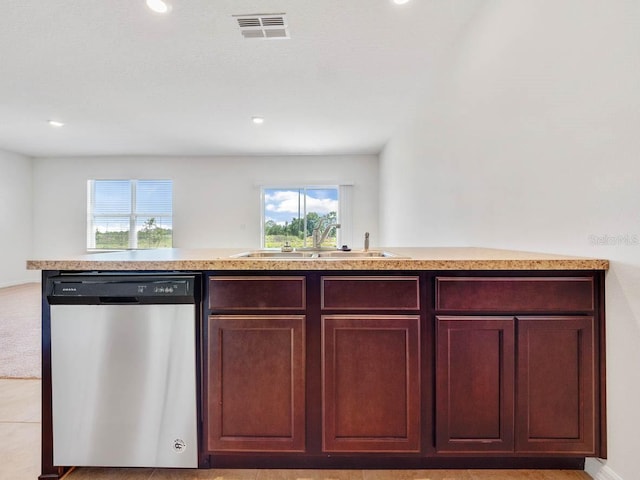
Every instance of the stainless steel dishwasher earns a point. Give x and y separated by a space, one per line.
123 370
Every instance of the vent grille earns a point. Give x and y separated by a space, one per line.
273 21
266 26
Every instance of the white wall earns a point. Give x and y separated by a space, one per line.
216 199
530 140
15 219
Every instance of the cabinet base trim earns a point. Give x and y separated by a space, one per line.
336 461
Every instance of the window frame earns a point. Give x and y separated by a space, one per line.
302 188
133 216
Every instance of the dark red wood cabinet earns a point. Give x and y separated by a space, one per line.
370 363
255 370
517 383
404 369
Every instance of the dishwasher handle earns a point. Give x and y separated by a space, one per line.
117 300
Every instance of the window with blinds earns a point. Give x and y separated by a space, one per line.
129 214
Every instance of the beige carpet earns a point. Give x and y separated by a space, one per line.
20 348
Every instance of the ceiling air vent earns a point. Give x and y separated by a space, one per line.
265 26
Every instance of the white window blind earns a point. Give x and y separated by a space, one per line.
124 214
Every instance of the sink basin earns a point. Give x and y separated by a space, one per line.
316 254
358 254
273 254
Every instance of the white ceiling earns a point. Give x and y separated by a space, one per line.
127 81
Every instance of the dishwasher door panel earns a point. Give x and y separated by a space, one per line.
124 385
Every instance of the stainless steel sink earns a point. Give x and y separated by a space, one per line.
274 254
358 254
309 254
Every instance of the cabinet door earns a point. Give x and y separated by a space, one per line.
371 383
475 384
256 383
556 385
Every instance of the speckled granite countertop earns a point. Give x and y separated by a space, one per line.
418 258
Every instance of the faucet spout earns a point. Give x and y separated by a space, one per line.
319 237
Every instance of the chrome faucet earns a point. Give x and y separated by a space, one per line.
318 237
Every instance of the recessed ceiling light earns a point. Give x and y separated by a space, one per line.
56 123
257 120
400 2
158 6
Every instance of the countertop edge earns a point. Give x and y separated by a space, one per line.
328 264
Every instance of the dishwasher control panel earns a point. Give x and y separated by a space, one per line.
125 289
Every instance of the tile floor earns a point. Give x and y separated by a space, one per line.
20 455
19 429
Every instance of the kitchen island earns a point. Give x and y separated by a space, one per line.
418 258
432 358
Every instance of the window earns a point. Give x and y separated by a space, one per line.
125 214
291 214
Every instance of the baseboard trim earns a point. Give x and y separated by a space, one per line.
600 471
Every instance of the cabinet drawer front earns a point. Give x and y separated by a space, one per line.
371 293
259 293
516 294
